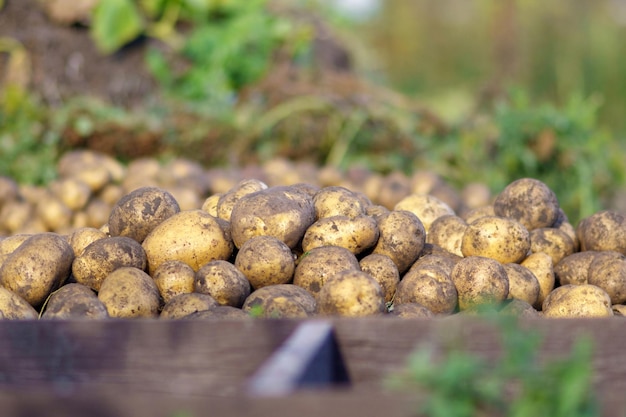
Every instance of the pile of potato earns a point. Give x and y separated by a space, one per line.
177 241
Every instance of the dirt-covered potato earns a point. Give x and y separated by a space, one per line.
280 301
478 281
14 307
447 232
193 237
554 242
429 285
530 202
129 292
224 282
505 240
476 213
540 264
602 231
353 233
74 301
337 201
183 305
402 238
282 212
608 271
384 271
265 260
227 201
523 284
174 278
210 204
219 313
84 236
574 269
317 265
103 256
426 207
577 301
137 213
410 311
619 310
351 293
37 267
10 243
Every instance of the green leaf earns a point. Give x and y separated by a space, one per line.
115 23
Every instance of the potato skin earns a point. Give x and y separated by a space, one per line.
540 264
384 271
193 237
351 294
608 271
14 307
129 292
530 202
227 201
523 285
426 207
479 280
74 301
265 260
137 213
574 268
103 256
83 237
183 305
447 231
174 278
37 267
429 285
337 201
603 231
411 310
499 238
552 241
317 265
355 234
224 282
281 301
402 238
577 301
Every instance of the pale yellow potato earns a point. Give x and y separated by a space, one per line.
82 237
478 281
574 269
337 201
523 285
98 213
53 213
602 231
224 282
356 234
499 238
410 311
105 255
447 232
619 310
384 271
14 216
317 265
37 267
576 301
111 193
426 207
174 278
429 285
608 272
540 264
402 238
10 243
265 260
227 201
74 301
554 242
280 301
210 204
129 292
14 307
437 257
72 192
193 237
392 189
137 213
563 224
478 212
476 195
530 202
182 305
351 293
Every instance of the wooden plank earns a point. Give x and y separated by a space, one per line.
308 358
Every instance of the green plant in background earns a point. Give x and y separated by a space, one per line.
456 383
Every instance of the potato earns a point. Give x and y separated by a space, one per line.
577 301
219 312
15 215
72 192
227 201
317 265
619 310
37 267
439 252
9 190
210 204
523 285
11 243
282 212
174 278
14 307
182 305
84 236
103 256
540 264
499 238
477 213
98 213
478 281
280 301
562 223
265 260
411 310
376 211
129 292
53 212
137 213
608 272
602 231
574 268
426 207
447 232
111 194
519 308
224 282
402 238
441 258
353 233
429 285
530 202
476 195
193 237
351 293
74 301
337 201
389 190
554 242
384 271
